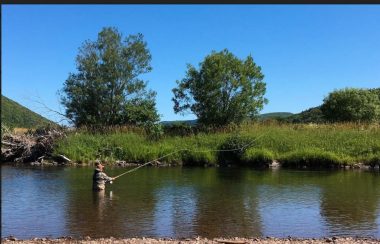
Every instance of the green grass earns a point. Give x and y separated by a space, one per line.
293 145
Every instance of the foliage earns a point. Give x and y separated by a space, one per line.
178 128
225 89
350 142
258 157
15 115
198 158
106 89
311 115
375 91
276 115
311 158
154 131
351 104
233 149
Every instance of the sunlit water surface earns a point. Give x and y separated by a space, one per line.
188 202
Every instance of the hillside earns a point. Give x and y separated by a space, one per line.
15 115
311 115
275 115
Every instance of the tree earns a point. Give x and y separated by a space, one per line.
351 104
106 89
376 91
225 89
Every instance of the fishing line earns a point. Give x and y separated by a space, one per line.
186 149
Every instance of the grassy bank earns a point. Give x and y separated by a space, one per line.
292 145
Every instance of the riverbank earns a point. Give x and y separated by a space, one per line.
253 145
198 240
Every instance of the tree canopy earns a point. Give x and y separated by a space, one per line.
223 90
106 89
351 104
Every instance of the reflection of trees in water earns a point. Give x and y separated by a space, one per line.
124 212
350 201
226 206
175 211
209 202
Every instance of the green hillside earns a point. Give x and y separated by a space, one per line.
275 115
311 115
16 115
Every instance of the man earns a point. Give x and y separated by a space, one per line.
99 178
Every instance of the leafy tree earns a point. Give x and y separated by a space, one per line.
351 104
225 89
376 91
106 89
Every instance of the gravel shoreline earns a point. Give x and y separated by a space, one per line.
198 240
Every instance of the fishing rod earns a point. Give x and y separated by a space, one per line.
186 149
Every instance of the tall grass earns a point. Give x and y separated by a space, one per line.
300 144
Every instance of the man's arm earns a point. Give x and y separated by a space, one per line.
106 177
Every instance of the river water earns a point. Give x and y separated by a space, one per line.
187 202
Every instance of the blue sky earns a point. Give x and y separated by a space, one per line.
305 51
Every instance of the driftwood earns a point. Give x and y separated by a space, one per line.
30 147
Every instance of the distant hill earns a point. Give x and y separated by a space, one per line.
15 115
275 115
186 122
311 115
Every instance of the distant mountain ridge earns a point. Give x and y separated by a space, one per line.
275 115
14 115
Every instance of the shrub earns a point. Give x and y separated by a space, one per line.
257 157
154 131
232 149
351 104
373 160
311 158
178 129
198 158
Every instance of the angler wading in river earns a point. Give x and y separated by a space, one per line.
100 178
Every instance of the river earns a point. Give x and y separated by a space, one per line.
188 202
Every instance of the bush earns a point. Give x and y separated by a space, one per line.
232 149
351 104
311 158
373 160
178 129
198 158
257 157
154 131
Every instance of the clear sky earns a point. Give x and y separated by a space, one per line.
305 51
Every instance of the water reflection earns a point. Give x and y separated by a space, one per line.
175 211
296 211
33 202
352 207
182 202
227 206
